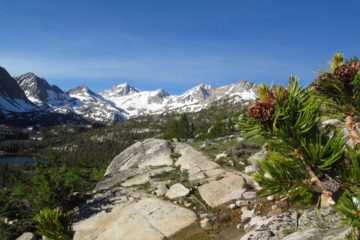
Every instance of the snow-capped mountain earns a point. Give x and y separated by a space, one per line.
195 99
196 94
80 101
40 92
237 92
140 103
93 106
119 91
30 93
12 98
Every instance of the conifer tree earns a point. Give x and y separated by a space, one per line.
180 128
307 161
302 159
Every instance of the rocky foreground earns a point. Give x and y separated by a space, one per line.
158 189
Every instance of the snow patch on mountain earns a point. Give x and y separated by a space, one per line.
112 105
198 93
15 105
193 100
140 103
93 106
40 92
81 100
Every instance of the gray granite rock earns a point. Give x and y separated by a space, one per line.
309 234
177 191
319 218
27 236
150 153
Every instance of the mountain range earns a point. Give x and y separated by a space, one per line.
30 93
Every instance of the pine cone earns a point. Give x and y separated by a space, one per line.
276 90
322 78
347 72
262 111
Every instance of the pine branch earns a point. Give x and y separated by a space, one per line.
283 176
353 132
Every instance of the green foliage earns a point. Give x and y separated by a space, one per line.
352 174
336 61
349 207
356 90
297 145
324 149
352 59
71 180
180 128
54 224
219 129
285 177
306 159
48 185
336 92
263 91
343 91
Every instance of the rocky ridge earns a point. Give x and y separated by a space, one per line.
12 98
79 101
137 102
40 92
172 191
30 93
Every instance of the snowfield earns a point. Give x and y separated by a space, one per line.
195 99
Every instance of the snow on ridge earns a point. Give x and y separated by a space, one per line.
118 90
123 101
195 99
15 105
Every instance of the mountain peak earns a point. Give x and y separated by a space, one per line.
37 89
197 93
120 90
29 74
203 85
81 90
125 84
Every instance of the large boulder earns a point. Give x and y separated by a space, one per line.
150 218
151 153
130 177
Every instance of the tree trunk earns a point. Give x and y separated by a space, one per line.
353 132
326 184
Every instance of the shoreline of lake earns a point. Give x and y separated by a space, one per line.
16 159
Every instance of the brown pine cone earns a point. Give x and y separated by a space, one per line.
262 111
347 72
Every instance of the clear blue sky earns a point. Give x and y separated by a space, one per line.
174 44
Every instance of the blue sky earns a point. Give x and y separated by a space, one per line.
174 44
